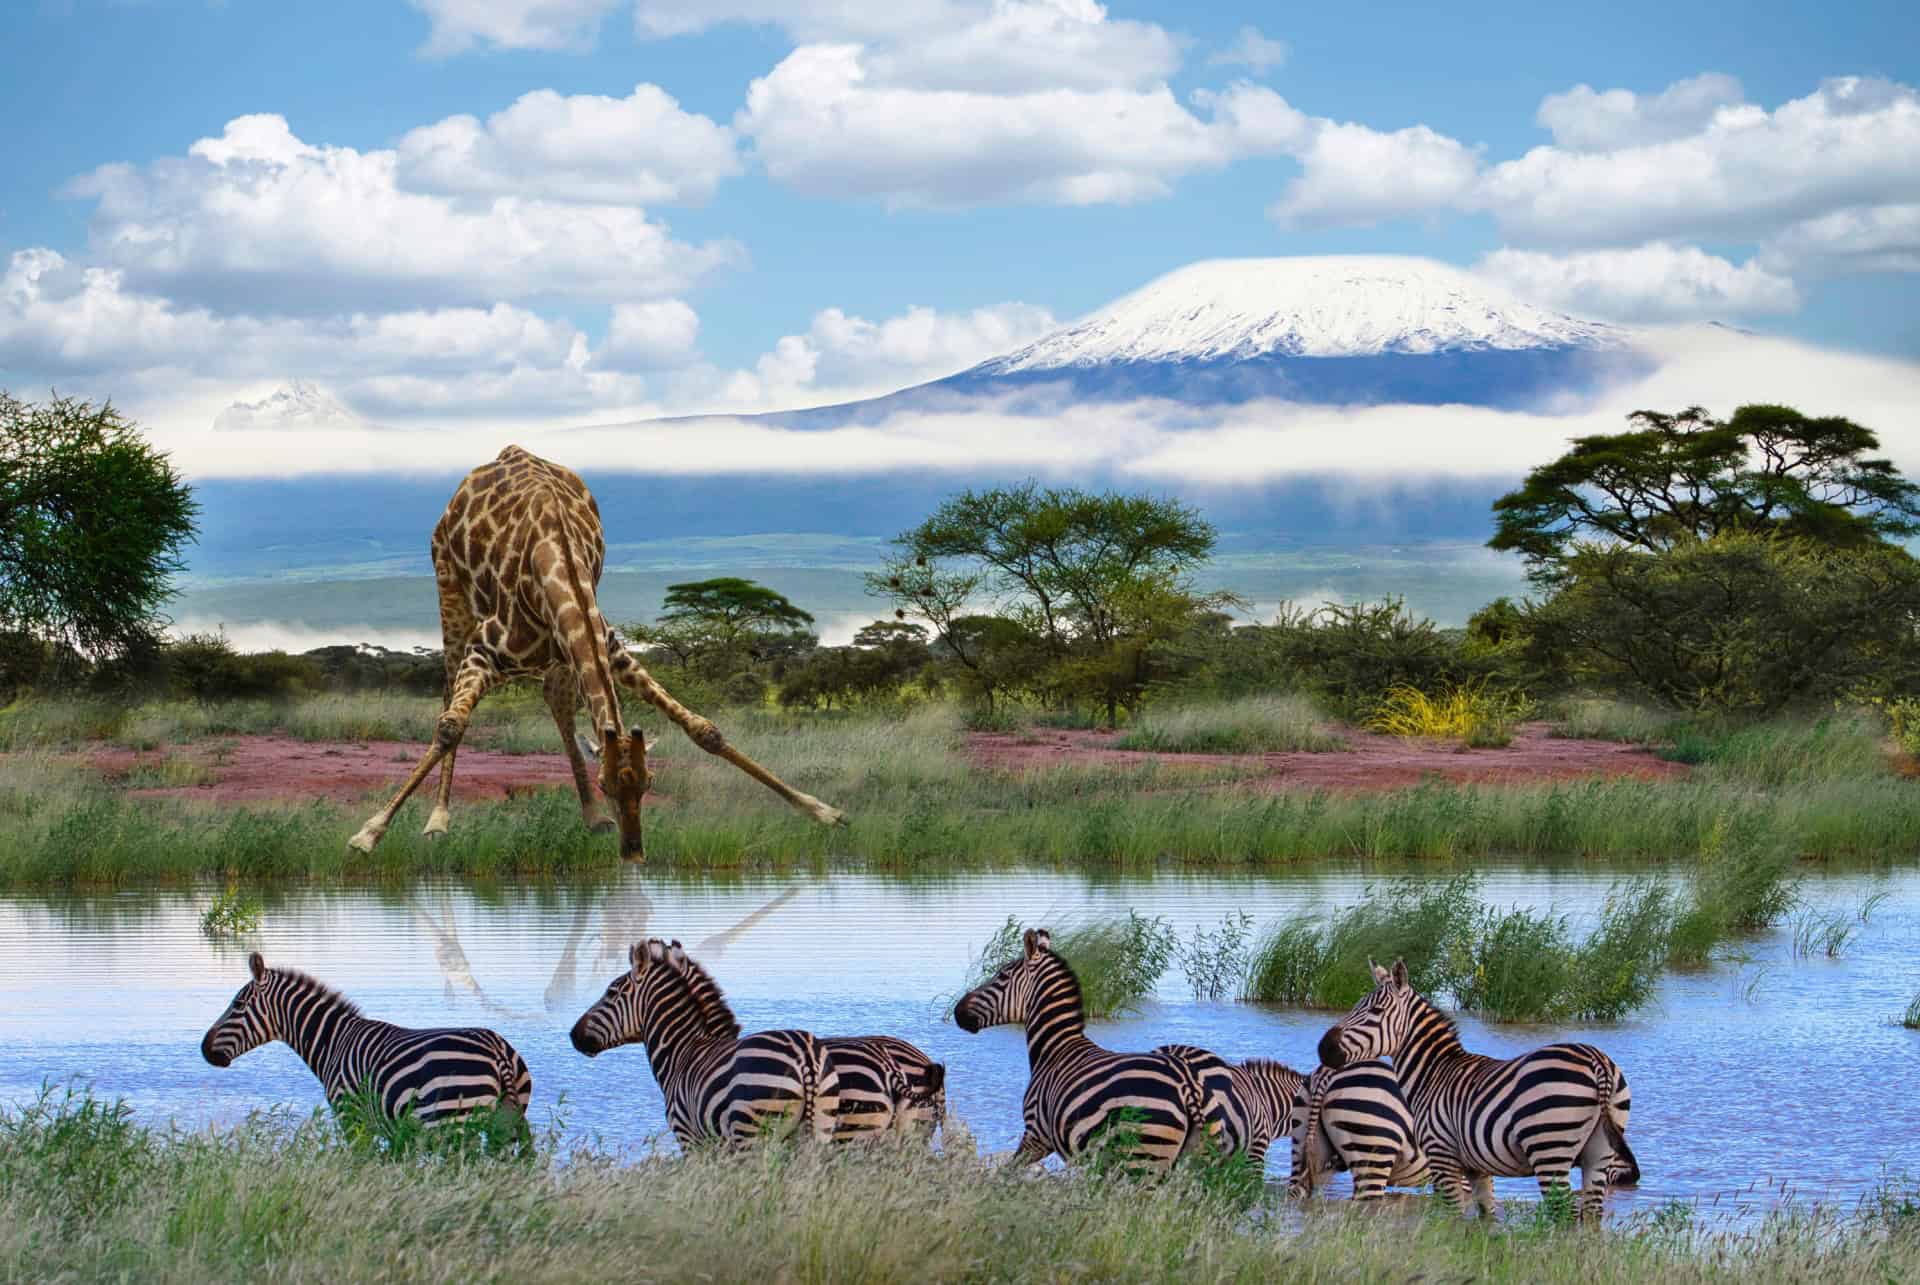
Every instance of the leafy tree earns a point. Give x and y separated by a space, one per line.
721 625
93 522
1071 568
1742 623
1688 476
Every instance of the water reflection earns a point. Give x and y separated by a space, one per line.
1795 1079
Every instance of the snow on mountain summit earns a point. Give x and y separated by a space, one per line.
1329 306
296 404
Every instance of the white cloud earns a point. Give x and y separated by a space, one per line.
1145 441
460 25
652 335
843 357
59 320
1584 119
821 124
1021 45
1251 49
1355 175
258 220
1746 174
1653 282
638 150
1882 238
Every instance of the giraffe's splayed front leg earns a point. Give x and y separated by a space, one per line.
369 836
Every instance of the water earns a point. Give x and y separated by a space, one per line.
1748 1079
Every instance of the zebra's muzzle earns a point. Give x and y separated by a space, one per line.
967 1018
1331 1054
584 1041
214 1056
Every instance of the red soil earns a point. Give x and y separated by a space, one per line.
1372 761
257 769
254 769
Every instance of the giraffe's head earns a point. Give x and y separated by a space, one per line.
624 778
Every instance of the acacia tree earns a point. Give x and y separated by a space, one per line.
93 523
1072 568
1688 476
718 622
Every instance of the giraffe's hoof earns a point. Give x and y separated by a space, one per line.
601 825
366 840
436 827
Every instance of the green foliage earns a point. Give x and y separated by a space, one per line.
72 1155
486 1134
1256 725
1740 624
1216 961
1688 478
1480 716
1319 960
1911 1018
1823 931
205 667
232 913
93 522
1117 959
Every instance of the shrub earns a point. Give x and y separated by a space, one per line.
1216 962
1479 716
1319 960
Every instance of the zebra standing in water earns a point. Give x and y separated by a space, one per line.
1075 1086
1362 1123
1538 1114
1355 1118
437 1074
886 1084
719 1085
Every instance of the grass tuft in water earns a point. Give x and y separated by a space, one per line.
1215 961
233 913
1117 960
1911 1018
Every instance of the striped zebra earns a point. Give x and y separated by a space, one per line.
719 1085
1354 1118
1363 1123
1075 1087
1538 1114
886 1084
435 1074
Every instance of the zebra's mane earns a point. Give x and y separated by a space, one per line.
313 985
1073 980
715 1013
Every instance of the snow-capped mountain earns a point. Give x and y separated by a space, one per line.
1336 306
296 404
1331 329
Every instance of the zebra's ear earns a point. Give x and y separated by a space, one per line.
257 965
677 955
1379 974
636 955
656 950
1038 941
1399 972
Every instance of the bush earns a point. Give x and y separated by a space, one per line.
1320 960
1479 716
205 667
1117 960
1738 624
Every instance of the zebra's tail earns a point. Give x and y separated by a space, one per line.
1305 1176
935 1078
1614 1102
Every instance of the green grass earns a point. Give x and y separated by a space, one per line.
1911 1018
915 801
1116 959
1257 725
87 1193
1597 719
232 913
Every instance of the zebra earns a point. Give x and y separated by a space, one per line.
886 1084
1362 1122
436 1075
1354 1118
1538 1114
719 1085
1075 1087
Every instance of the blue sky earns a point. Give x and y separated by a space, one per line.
908 154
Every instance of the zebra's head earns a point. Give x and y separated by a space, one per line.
1378 1023
620 1016
248 1022
1011 993
624 778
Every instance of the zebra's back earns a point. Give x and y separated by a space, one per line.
1527 1114
886 1083
438 1074
1071 1103
1355 1118
737 1090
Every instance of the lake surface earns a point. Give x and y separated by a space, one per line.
1749 1079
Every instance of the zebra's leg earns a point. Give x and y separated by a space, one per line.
1598 1161
477 676
1031 1150
1554 1178
1449 1177
1483 1195
562 692
629 673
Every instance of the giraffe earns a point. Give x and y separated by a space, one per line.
517 556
